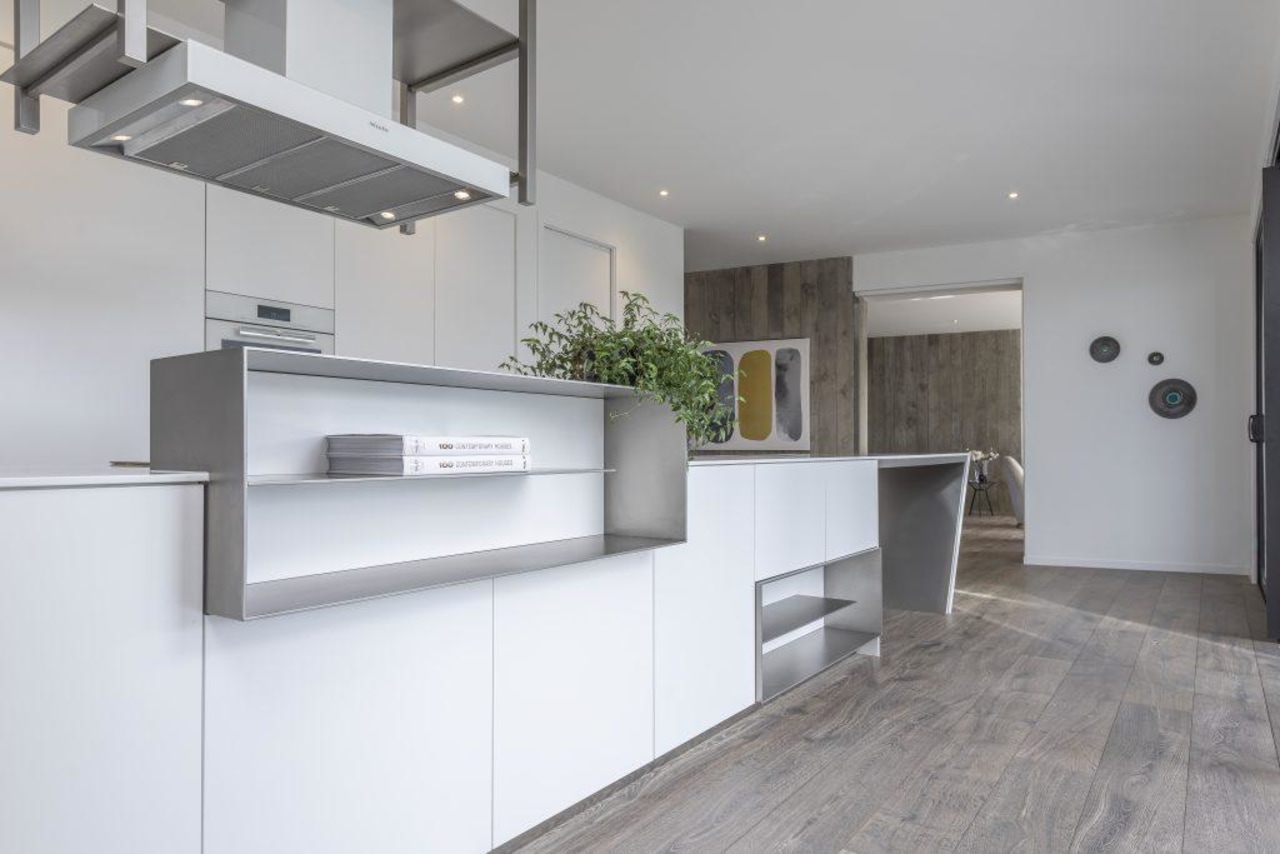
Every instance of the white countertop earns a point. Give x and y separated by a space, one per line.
52 478
885 460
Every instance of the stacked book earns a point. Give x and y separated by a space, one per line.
396 454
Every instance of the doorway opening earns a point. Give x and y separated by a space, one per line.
944 374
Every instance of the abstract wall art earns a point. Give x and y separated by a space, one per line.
771 378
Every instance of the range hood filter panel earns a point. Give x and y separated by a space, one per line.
385 192
229 141
297 173
203 112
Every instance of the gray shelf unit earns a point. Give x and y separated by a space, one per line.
199 422
850 610
795 612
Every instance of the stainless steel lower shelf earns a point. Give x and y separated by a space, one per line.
271 598
793 663
795 612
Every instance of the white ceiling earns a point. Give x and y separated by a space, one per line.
843 126
944 313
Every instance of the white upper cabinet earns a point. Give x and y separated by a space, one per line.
572 271
268 249
103 271
385 289
853 519
704 610
475 288
791 517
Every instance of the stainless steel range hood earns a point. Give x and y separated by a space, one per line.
205 113
273 115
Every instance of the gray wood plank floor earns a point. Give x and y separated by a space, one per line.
1055 710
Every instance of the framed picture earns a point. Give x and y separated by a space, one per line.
772 378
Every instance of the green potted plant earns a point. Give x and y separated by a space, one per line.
648 351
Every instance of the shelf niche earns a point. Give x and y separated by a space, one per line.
282 538
846 617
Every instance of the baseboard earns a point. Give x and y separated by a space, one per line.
1140 565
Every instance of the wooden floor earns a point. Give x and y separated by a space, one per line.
1055 710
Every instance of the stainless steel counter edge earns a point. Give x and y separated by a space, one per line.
16 480
885 460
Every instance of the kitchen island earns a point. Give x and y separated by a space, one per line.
410 710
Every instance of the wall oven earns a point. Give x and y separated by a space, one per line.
232 320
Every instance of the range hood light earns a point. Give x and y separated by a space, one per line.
181 167
387 215
462 196
121 137
191 102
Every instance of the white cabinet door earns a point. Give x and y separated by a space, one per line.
573 686
573 271
475 288
385 290
704 610
366 727
267 249
100 623
791 517
853 518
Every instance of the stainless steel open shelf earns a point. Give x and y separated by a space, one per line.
322 478
793 663
339 367
850 612
201 408
794 612
272 598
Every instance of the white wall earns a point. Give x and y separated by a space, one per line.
103 268
1108 482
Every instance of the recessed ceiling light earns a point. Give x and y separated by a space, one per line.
121 137
762 237
387 215
1013 195
462 195
955 321
458 99
191 102
664 193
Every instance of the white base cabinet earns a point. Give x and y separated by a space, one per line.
100 627
361 728
704 610
790 518
573 686
853 502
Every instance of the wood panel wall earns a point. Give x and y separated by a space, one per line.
801 299
938 393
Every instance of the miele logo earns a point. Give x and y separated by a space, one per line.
377 126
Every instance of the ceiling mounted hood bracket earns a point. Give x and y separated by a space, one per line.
439 43
90 52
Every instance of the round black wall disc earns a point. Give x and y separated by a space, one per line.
1172 398
1104 349
1156 358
